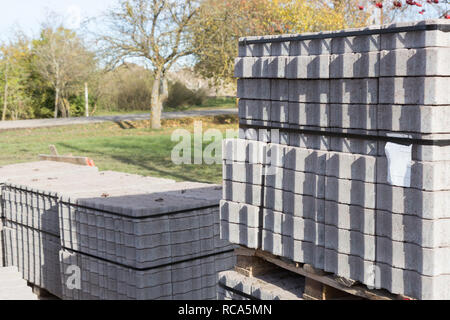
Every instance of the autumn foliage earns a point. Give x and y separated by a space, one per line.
220 23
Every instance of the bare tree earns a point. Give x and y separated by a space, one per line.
155 30
63 61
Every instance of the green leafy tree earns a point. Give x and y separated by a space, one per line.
63 63
14 72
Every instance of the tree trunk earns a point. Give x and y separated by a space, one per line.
86 98
155 117
5 101
56 102
165 90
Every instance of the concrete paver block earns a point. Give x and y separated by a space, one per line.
351 192
310 91
429 176
353 116
350 217
406 228
279 90
308 67
352 166
308 114
361 91
415 90
355 65
312 47
409 201
414 118
415 62
239 213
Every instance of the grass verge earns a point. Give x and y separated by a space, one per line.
119 146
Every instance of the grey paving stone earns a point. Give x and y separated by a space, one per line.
414 90
429 176
413 284
254 109
242 150
422 152
415 62
295 227
350 267
309 91
359 91
308 67
352 145
308 114
253 89
243 172
310 47
352 166
35 254
242 192
294 250
406 228
305 160
355 65
418 39
279 112
310 141
409 201
414 118
351 242
351 192
363 43
353 116
350 217
279 90
240 234
408 256
240 213
281 285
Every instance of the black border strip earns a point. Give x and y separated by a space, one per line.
365 32
150 268
405 141
242 294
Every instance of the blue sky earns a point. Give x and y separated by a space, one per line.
29 14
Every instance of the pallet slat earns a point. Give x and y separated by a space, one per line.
316 279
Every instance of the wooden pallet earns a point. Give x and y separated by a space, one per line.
319 285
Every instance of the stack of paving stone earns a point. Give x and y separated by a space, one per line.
32 170
31 222
130 237
278 285
350 131
157 242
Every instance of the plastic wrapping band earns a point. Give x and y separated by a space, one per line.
150 268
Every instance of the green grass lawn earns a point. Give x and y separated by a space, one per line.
211 103
126 146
